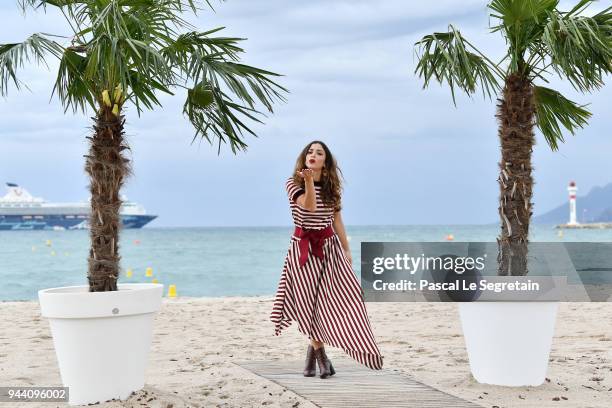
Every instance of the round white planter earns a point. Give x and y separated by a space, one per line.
508 343
101 339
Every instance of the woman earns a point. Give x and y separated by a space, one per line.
318 287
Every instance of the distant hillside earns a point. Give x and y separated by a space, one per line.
598 205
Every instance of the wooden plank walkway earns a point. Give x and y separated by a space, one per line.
355 386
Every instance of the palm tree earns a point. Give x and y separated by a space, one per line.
131 51
540 40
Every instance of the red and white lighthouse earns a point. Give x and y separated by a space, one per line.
572 203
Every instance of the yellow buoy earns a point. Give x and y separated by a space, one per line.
52 253
149 272
155 280
48 242
560 233
128 273
172 291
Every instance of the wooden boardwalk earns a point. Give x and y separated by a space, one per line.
355 386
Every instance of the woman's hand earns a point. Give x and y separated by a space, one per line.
307 175
347 253
308 200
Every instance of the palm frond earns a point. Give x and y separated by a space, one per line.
203 58
71 85
212 63
580 7
25 4
212 112
249 84
142 47
14 56
521 22
123 43
553 111
580 47
446 57
178 51
513 13
142 90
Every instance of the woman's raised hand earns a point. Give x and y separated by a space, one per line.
307 175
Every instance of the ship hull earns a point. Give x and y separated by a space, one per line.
51 222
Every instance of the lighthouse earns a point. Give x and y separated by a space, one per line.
572 203
573 223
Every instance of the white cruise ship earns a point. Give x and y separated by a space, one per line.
19 210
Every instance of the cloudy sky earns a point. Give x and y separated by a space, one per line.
408 155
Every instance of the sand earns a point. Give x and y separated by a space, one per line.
196 340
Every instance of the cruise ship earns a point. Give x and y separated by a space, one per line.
19 210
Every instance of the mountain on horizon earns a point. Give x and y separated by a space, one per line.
596 206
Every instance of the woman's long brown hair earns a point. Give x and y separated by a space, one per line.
331 187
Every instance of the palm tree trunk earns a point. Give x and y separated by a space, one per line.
515 113
107 168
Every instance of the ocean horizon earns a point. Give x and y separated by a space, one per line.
210 261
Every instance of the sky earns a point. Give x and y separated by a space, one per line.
408 155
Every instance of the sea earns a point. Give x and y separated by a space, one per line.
210 261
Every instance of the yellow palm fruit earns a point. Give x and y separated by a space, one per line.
116 110
106 98
117 94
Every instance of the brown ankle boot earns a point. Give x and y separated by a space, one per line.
325 366
310 370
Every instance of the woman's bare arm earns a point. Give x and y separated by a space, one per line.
309 199
339 228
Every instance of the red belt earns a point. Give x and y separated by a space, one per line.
313 237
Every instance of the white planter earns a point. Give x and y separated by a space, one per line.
101 339
508 343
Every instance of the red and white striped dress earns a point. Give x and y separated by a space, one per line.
323 295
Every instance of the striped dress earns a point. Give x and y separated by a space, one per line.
323 295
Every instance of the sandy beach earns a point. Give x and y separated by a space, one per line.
196 341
